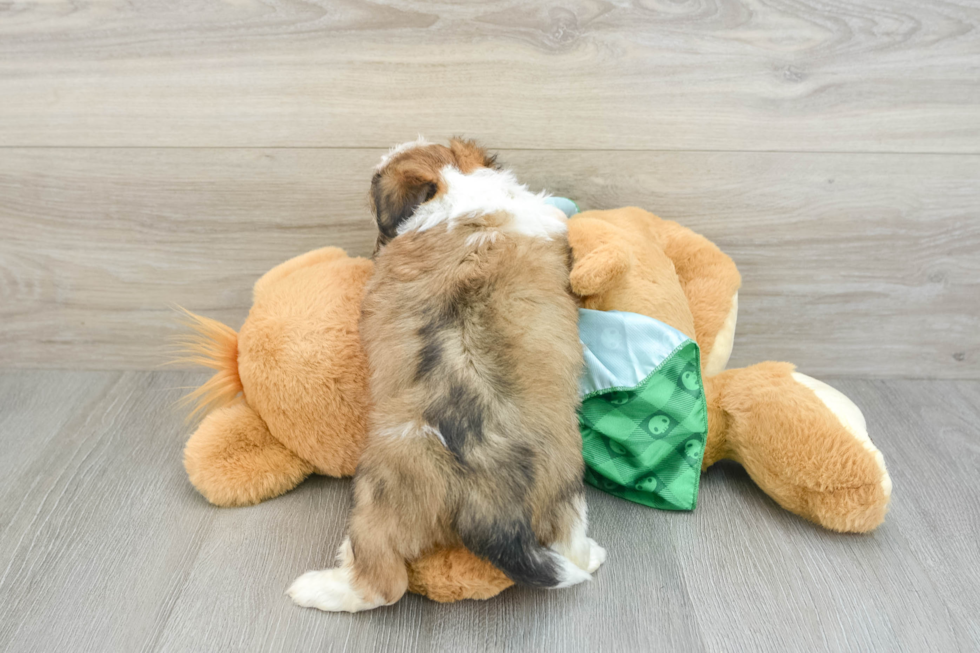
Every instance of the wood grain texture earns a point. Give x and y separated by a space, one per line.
799 75
802 588
34 409
103 522
853 264
935 466
105 546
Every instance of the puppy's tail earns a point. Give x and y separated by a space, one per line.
215 345
511 546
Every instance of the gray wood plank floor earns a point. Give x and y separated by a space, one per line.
104 546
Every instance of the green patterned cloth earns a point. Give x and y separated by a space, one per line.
643 417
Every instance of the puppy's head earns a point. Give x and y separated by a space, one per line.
409 176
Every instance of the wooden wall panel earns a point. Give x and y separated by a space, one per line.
790 75
854 264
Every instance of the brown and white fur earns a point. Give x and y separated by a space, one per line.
470 332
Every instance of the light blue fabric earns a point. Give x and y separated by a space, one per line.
643 417
567 206
621 349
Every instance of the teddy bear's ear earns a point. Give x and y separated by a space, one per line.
597 271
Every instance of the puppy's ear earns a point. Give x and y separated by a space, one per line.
470 155
395 194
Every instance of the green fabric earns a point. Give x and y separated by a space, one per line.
643 436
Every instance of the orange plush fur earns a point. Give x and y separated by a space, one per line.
302 375
807 449
303 380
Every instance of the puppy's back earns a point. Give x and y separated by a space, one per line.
470 332
476 345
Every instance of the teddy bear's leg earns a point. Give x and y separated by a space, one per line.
446 575
453 574
233 460
804 443
710 281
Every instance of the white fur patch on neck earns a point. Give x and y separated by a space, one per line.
398 149
484 192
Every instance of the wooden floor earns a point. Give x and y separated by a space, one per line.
104 546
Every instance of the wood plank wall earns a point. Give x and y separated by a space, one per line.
153 154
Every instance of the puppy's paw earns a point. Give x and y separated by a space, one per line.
597 555
329 590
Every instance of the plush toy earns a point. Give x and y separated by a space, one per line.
804 443
289 397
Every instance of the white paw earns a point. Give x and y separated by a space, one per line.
577 553
597 555
569 573
328 590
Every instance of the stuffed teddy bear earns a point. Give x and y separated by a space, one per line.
804 443
289 397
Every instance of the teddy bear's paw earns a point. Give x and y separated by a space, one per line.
851 418
329 590
597 556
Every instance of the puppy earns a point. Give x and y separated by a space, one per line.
471 335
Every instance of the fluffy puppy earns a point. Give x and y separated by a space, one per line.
470 332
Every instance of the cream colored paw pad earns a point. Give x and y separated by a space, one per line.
721 351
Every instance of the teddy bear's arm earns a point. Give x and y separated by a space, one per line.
710 281
599 260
